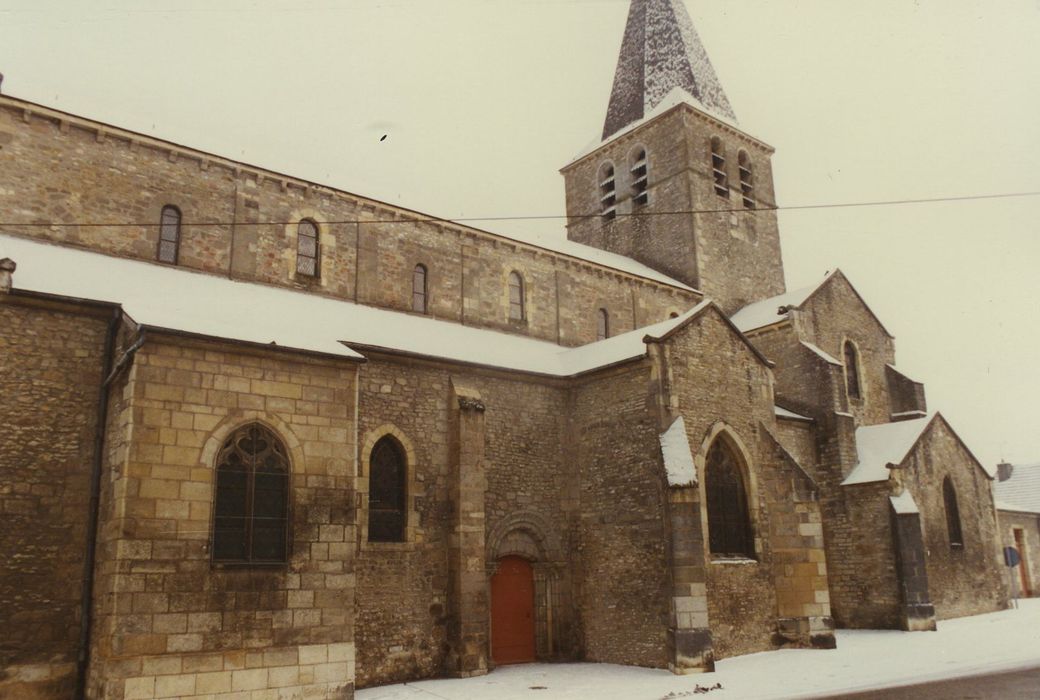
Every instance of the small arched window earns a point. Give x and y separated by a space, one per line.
953 514
517 308
419 289
387 495
169 234
308 256
718 167
851 370
729 528
251 510
602 324
638 171
607 192
747 181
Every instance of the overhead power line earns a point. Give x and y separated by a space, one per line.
547 217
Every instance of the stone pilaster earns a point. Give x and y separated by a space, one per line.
918 613
468 627
690 648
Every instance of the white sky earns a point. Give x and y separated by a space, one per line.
484 100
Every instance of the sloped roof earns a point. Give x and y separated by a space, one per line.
660 51
765 312
171 298
675 449
879 446
790 415
1022 491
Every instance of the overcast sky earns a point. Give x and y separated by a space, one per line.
482 102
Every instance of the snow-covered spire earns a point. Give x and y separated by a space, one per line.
660 52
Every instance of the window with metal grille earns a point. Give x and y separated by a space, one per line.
953 514
718 167
169 234
517 308
729 528
308 255
419 289
638 171
602 324
387 491
251 513
747 182
851 370
607 192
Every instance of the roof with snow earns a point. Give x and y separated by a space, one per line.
175 299
1022 491
879 446
678 461
904 503
768 311
790 415
661 51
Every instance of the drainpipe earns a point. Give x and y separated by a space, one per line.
109 372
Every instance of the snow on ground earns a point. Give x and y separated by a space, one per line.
864 659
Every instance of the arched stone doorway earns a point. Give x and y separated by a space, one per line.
512 612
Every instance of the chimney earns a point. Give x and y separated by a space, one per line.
1004 471
7 267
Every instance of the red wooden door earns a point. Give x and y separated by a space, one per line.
512 612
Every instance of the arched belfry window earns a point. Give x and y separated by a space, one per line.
308 254
169 234
852 385
419 289
517 306
602 324
953 514
718 167
387 486
251 510
729 528
638 172
747 180
607 192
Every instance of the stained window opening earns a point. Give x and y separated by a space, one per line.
169 234
729 528
419 289
251 513
307 252
387 495
517 309
747 184
718 168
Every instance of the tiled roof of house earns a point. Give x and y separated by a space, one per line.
1022 491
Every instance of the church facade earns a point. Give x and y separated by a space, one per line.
270 438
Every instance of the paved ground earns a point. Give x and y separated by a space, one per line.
1014 685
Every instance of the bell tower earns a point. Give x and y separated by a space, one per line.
675 183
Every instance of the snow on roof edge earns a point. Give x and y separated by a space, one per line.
884 444
904 503
675 450
784 413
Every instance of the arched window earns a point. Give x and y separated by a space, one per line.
251 512
387 491
607 192
953 514
729 529
602 324
638 170
851 370
169 234
419 289
516 297
747 182
308 256
718 167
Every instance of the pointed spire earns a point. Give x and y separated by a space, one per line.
660 52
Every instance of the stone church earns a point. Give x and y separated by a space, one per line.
265 438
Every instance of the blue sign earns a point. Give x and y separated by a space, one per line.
1011 556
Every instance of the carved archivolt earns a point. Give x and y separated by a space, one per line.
527 534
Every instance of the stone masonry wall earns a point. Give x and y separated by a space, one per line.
729 252
51 362
63 168
170 622
719 383
965 580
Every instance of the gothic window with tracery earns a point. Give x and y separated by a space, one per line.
851 370
387 491
602 324
729 527
169 234
718 168
517 310
251 513
953 514
419 289
747 181
307 252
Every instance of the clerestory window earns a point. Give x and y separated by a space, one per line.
169 234
308 253
517 305
602 324
419 282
